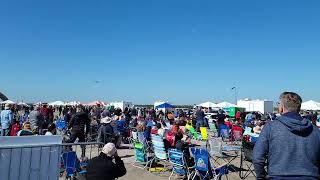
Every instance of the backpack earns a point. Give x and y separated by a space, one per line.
15 128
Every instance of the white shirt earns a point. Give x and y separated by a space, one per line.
48 133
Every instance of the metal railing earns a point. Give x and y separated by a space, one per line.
42 162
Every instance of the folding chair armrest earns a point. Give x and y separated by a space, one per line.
220 166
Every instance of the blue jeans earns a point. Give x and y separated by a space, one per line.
4 132
200 123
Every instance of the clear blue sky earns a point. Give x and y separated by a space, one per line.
184 51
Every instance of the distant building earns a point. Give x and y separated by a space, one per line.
122 105
263 106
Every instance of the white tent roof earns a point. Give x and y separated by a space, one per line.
73 103
23 104
225 105
94 103
310 105
207 105
7 102
56 103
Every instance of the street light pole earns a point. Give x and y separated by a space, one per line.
235 94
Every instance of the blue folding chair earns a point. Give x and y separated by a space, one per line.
203 167
224 131
61 124
159 150
71 164
177 159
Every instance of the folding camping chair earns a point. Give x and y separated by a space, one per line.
246 160
224 132
143 140
188 126
219 153
133 137
213 129
141 156
71 164
204 133
237 135
203 167
180 167
195 135
159 150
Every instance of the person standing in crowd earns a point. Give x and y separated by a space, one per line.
97 112
134 112
291 144
107 166
121 126
25 116
221 117
80 127
200 121
36 120
60 111
105 113
50 114
238 115
152 113
118 112
6 118
67 117
45 113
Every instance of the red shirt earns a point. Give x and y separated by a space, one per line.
238 115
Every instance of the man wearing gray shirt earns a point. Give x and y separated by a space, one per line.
36 119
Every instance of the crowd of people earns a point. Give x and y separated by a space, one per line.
291 130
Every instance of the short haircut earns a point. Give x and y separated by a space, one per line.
291 101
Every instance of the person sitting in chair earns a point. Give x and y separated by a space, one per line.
183 147
26 130
105 132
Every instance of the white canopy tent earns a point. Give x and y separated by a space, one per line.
225 105
57 103
310 105
23 104
73 103
7 102
94 103
207 105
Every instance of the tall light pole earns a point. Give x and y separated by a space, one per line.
235 94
